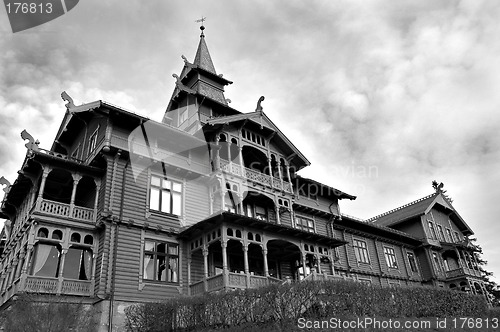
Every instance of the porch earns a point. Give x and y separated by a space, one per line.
231 256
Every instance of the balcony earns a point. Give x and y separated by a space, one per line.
57 209
254 176
462 272
45 285
234 280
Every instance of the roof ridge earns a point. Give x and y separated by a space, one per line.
400 208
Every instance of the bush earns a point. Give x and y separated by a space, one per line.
32 313
278 307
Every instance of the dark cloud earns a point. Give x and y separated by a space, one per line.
381 98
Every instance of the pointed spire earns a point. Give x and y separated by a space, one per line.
202 58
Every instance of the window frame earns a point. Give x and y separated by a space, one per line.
440 232
390 257
432 230
310 225
361 252
166 255
413 256
171 191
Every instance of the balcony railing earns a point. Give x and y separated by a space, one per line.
254 176
65 210
234 280
56 286
462 271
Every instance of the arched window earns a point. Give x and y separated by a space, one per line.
46 260
88 239
250 236
230 232
57 235
43 233
78 264
75 237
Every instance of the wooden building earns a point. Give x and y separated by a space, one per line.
123 209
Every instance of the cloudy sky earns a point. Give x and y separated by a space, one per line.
381 96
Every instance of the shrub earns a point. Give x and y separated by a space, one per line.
32 313
278 307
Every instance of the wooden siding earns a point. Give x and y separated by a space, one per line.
286 219
128 269
197 202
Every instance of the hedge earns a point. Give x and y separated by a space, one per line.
277 306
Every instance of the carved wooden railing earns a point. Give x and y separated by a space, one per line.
76 287
215 283
65 210
254 176
237 280
47 285
462 271
258 281
41 285
197 288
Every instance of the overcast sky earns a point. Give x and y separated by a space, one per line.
381 96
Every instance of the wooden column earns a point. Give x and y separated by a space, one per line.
245 262
289 177
76 179
61 268
205 267
225 272
264 254
45 174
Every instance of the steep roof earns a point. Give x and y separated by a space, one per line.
202 58
407 211
418 208
261 119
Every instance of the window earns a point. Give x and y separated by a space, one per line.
305 224
361 251
165 196
448 232
231 199
457 237
437 263
390 257
412 262
46 260
93 141
433 231
440 233
78 264
161 261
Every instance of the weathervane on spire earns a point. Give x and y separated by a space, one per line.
202 27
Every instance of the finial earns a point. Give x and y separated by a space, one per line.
259 106
202 27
